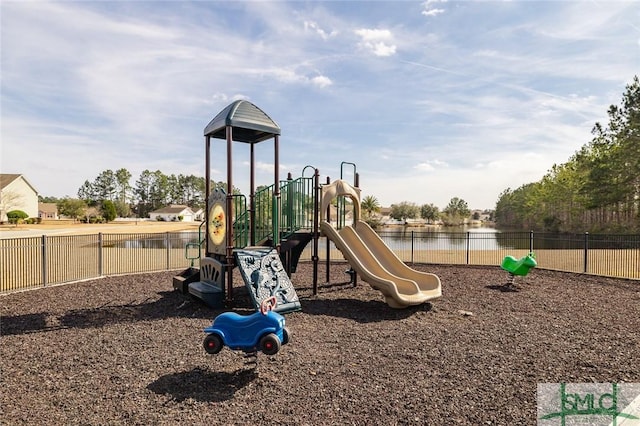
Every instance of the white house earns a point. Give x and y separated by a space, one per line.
16 193
172 213
48 211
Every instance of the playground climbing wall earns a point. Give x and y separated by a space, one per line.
265 276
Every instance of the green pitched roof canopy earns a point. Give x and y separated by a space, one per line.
250 124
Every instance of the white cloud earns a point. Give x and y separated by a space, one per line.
321 81
431 165
430 10
224 98
313 26
379 42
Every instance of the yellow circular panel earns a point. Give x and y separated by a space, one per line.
217 224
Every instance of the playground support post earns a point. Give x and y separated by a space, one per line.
229 215
356 182
341 205
328 253
288 216
252 198
207 185
342 208
276 193
316 232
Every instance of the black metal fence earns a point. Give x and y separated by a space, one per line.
39 261
596 254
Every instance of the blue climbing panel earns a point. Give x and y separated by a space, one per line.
265 276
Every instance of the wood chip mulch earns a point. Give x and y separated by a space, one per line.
128 350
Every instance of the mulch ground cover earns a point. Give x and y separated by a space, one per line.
128 350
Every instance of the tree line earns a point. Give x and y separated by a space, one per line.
112 194
596 190
454 213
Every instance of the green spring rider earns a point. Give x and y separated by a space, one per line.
518 267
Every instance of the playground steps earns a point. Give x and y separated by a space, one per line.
264 276
206 283
210 294
181 282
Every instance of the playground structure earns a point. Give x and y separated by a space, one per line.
265 238
518 267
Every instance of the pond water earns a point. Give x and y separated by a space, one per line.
431 238
442 238
155 241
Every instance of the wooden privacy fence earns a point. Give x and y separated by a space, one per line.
39 261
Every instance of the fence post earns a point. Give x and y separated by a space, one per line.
166 243
99 254
412 247
468 245
586 251
44 260
530 241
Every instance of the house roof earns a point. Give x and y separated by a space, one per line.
6 179
48 207
173 209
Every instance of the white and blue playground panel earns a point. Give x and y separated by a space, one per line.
265 277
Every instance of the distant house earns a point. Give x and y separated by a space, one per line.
333 215
198 215
16 193
482 215
173 213
48 211
384 215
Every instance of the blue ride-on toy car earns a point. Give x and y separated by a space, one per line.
263 331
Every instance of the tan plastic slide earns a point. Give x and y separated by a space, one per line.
379 266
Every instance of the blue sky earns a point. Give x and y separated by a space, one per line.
430 99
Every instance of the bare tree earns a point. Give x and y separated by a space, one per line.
9 200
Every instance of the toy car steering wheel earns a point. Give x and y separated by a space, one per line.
268 304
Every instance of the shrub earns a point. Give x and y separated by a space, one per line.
16 216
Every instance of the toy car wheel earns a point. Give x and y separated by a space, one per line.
286 336
213 344
270 344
